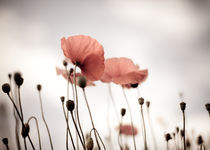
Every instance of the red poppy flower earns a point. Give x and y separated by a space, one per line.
127 130
85 52
123 71
64 74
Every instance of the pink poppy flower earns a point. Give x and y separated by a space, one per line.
85 52
64 74
127 130
123 71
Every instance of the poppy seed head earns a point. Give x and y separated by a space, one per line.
141 101
9 75
62 99
6 88
167 137
177 130
200 140
82 82
182 106
5 141
208 107
70 105
123 111
18 79
148 104
71 71
25 130
188 144
65 63
182 133
39 87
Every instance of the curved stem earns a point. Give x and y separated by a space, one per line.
65 116
77 130
77 105
145 137
91 118
37 127
20 119
43 118
134 142
184 130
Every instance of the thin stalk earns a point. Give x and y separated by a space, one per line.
21 112
37 127
184 143
77 104
126 99
67 97
113 101
20 119
65 116
201 147
120 136
7 146
77 130
151 128
167 145
95 130
91 118
145 136
175 144
16 121
108 125
43 118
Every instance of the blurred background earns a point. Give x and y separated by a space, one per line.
169 37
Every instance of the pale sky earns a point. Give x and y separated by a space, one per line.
169 37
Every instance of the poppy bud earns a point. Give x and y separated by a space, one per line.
134 85
5 141
177 130
188 144
71 71
39 87
65 63
168 137
70 105
6 88
182 106
62 99
141 101
82 81
200 140
208 107
182 133
123 111
9 75
90 144
174 134
25 130
18 79
148 104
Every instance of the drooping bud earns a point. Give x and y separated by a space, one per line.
25 130
167 137
182 106
82 81
141 101
123 111
148 104
39 87
6 88
208 107
65 63
18 79
62 99
70 105
5 141
200 140
89 144
9 75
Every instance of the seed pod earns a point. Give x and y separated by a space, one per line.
18 79
6 88
182 106
168 137
208 107
65 63
200 140
82 82
70 105
123 111
39 87
148 104
25 130
141 101
5 141
62 99
89 144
